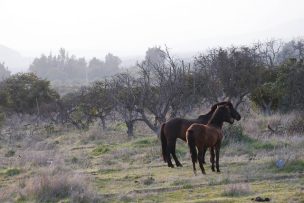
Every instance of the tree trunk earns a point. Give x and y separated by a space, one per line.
130 127
103 123
149 124
267 108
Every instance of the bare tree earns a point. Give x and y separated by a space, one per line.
125 95
164 84
292 49
269 52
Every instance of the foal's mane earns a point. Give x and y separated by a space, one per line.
218 107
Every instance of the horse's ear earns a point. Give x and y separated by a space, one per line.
214 107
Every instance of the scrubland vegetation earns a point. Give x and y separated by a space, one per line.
68 165
98 143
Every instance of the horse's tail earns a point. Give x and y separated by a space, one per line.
163 142
191 144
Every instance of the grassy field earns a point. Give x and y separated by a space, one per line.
67 165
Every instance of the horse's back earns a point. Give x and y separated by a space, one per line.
204 135
177 127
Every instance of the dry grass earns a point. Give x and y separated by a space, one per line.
284 124
97 165
48 187
239 189
51 185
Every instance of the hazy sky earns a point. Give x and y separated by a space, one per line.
129 27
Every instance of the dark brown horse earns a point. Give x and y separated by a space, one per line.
202 136
177 127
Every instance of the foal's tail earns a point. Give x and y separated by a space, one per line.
163 142
191 144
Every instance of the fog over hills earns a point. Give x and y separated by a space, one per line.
14 60
186 48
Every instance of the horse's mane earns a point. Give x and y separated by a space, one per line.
218 107
214 107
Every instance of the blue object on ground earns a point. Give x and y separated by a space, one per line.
280 163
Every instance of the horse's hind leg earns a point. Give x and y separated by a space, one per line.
200 161
178 164
204 153
194 169
168 152
212 158
217 154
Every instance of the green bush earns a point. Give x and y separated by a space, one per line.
10 153
235 133
12 171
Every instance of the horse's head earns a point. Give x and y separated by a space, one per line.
228 104
226 113
234 113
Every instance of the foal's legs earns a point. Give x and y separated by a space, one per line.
178 164
200 160
212 158
217 154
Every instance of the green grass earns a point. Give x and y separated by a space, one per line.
293 166
101 149
12 172
144 142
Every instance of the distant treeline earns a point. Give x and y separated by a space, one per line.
269 74
65 69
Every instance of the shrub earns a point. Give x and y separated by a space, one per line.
12 171
234 190
54 187
293 166
297 125
10 153
148 181
234 133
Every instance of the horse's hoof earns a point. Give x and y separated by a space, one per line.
179 165
203 172
170 166
218 171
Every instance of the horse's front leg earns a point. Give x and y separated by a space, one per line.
200 159
212 155
217 154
